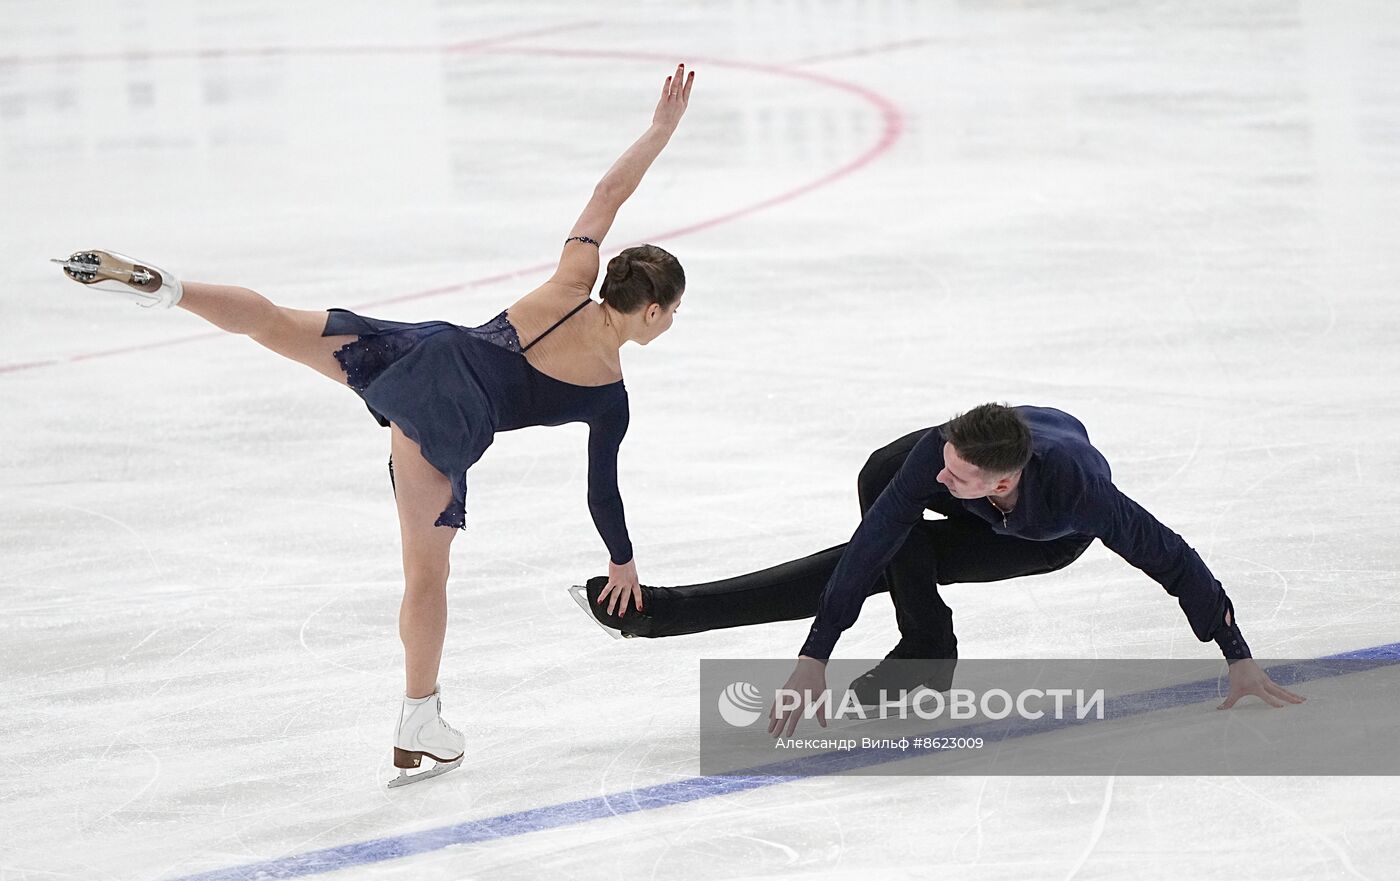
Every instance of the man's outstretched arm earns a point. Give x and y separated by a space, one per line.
1127 529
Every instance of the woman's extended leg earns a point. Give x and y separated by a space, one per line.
292 333
421 493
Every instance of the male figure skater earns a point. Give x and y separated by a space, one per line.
1023 492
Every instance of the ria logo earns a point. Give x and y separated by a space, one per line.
740 704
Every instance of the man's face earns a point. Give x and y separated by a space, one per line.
965 480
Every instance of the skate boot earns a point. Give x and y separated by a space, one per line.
142 283
422 732
899 677
635 623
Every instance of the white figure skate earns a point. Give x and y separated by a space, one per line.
422 732
146 285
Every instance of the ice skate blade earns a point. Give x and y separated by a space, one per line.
580 595
90 267
405 778
145 285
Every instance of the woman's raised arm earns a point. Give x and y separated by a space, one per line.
578 265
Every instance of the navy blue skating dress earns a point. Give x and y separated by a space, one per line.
451 388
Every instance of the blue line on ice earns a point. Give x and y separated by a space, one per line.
696 788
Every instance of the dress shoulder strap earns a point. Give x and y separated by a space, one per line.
556 324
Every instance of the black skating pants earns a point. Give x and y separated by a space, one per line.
959 549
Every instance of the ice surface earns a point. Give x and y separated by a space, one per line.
1177 220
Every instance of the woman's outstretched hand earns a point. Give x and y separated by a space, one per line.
578 265
675 95
623 588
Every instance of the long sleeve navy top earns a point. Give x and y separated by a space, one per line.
605 433
451 389
1065 488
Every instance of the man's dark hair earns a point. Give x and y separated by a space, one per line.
993 437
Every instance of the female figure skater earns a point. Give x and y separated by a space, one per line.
444 390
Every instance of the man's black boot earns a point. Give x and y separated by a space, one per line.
634 623
900 674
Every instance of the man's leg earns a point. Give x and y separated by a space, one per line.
930 620
927 651
786 592
959 550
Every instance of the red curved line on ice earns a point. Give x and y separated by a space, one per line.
892 129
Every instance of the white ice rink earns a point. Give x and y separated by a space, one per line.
1179 221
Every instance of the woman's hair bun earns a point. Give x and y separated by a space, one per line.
640 276
619 268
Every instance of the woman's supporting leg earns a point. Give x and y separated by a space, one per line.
421 492
292 333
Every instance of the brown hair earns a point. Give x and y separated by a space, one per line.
641 276
993 437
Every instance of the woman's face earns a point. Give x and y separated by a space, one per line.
658 319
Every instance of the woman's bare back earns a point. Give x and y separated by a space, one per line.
576 351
